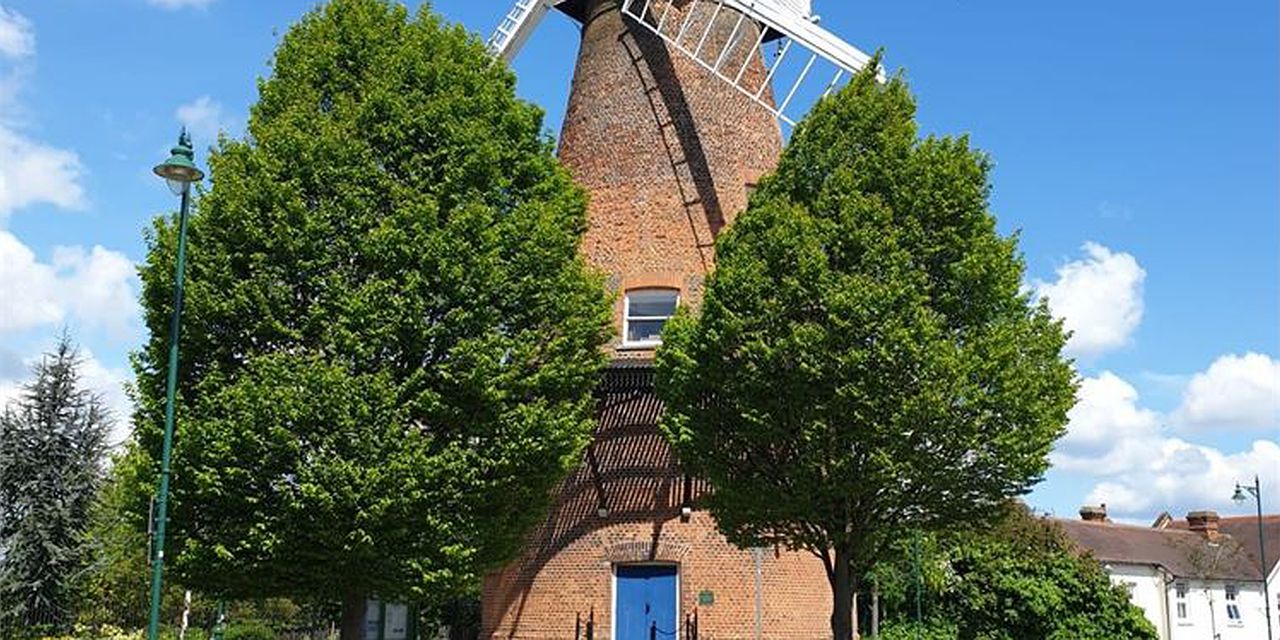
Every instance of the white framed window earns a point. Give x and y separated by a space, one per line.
644 313
1180 592
1233 607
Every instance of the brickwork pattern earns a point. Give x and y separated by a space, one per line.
668 154
666 151
567 569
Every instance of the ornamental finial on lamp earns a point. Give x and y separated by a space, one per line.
180 169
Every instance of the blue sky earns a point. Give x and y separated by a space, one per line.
1136 147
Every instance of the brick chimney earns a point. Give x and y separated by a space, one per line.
1204 522
1090 513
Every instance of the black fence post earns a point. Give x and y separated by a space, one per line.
577 626
591 624
653 630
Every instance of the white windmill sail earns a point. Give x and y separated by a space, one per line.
809 62
798 7
517 26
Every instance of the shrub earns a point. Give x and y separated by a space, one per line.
929 630
249 631
104 632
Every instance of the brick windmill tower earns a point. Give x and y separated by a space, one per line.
672 120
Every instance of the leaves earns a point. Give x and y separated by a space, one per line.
1019 577
864 360
52 446
389 340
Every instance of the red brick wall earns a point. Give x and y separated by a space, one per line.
667 153
567 569
542 600
665 150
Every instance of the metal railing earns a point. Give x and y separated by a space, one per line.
585 629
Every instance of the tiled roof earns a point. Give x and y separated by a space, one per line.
1244 529
1183 553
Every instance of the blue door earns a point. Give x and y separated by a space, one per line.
646 607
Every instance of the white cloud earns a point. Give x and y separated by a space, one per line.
1118 497
1180 476
98 286
1140 468
17 38
1235 391
110 384
30 171
1099 298
204 118
79 287
180 4
92 287
1108 431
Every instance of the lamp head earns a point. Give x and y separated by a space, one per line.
180 169
1238 496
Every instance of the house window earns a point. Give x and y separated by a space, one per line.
1233 608
645 313
1180 591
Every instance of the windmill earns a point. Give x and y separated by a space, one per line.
671 122
803 48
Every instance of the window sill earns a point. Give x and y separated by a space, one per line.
639 346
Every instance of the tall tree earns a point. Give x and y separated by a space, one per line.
52 446
390 341
864 360
114 590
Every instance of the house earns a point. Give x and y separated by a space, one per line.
1244 529
1193 578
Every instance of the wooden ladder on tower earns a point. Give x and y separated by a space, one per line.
675 124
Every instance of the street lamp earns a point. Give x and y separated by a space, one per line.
1239 497
179 171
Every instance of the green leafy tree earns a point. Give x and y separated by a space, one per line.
389 341
114 591
864 360
52 446
1021 578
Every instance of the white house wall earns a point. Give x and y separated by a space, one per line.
1146 588
1206 601
1273 581
1207 612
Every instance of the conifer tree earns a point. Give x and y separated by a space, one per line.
52 446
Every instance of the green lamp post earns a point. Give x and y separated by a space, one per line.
179 171
1239 497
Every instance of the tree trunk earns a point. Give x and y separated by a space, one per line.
842 594
875 609
352 617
